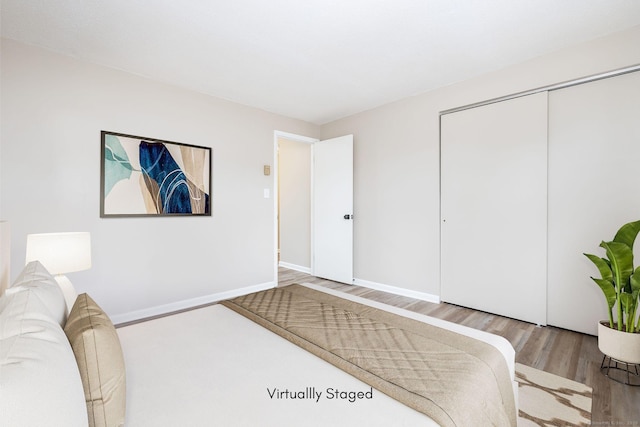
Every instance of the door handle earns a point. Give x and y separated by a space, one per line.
347 216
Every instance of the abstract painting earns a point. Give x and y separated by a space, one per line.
151 177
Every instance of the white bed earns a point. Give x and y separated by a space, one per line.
212 366
204 367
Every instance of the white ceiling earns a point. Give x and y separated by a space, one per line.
316 60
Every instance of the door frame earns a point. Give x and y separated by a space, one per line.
277 135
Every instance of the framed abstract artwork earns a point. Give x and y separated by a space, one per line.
150 177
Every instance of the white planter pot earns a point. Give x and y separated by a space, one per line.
622 346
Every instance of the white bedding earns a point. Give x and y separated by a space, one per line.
212 366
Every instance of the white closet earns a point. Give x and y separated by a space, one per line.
594 187
494 207
530 183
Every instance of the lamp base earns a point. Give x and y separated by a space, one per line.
68 290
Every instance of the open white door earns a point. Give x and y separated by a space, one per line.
333 209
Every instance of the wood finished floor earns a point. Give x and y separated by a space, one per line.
565 353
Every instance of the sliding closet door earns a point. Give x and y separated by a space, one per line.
494 208
594 187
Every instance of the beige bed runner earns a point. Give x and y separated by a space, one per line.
454 379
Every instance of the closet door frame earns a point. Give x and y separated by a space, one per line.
547 88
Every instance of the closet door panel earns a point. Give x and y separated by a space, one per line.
594 187
494 208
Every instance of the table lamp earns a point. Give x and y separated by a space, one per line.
61 253
5 254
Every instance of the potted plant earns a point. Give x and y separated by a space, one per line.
619 338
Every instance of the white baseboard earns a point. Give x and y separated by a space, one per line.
208 299
299 268
398 291
188 303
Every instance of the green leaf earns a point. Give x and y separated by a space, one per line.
608 289
609 294
603 266
635 280
628 302
628 233
621 259
635 289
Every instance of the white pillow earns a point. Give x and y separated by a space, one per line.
35 279
40 383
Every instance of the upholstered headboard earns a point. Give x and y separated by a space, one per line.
55 369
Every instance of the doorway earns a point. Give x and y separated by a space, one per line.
313 206
293 202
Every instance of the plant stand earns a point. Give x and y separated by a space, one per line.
623 372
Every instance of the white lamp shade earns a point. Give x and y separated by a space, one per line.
60 253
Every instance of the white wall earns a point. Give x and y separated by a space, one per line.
396 149
53 109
